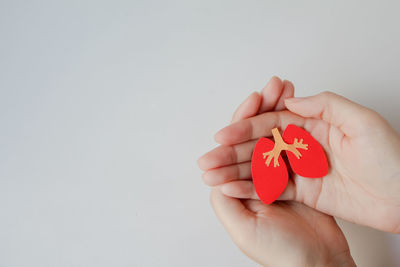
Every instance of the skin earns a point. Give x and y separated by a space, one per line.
362 186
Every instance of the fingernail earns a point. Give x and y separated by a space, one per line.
272 78
287 81
275 77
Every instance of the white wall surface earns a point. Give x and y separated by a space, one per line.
106 105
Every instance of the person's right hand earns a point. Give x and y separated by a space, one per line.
363 184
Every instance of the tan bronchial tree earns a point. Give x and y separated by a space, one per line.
281 145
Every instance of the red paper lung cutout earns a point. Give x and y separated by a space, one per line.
269 181
313 162
306 157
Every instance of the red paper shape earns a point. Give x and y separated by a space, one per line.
269 172
269 181
313 162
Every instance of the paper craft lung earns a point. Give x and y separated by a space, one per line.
270 175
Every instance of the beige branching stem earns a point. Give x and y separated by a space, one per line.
281 145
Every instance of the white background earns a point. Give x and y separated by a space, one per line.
106 105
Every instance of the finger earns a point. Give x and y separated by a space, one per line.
246 190
239 189
332 108
256 103
270 94
232 213
256 127
226 174
288 92
226 155
248 108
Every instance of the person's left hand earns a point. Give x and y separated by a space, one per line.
283 233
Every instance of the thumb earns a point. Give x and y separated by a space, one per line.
347 116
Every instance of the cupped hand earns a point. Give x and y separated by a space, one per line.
363 183
284 233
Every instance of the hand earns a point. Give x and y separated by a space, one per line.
363 185
284 233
